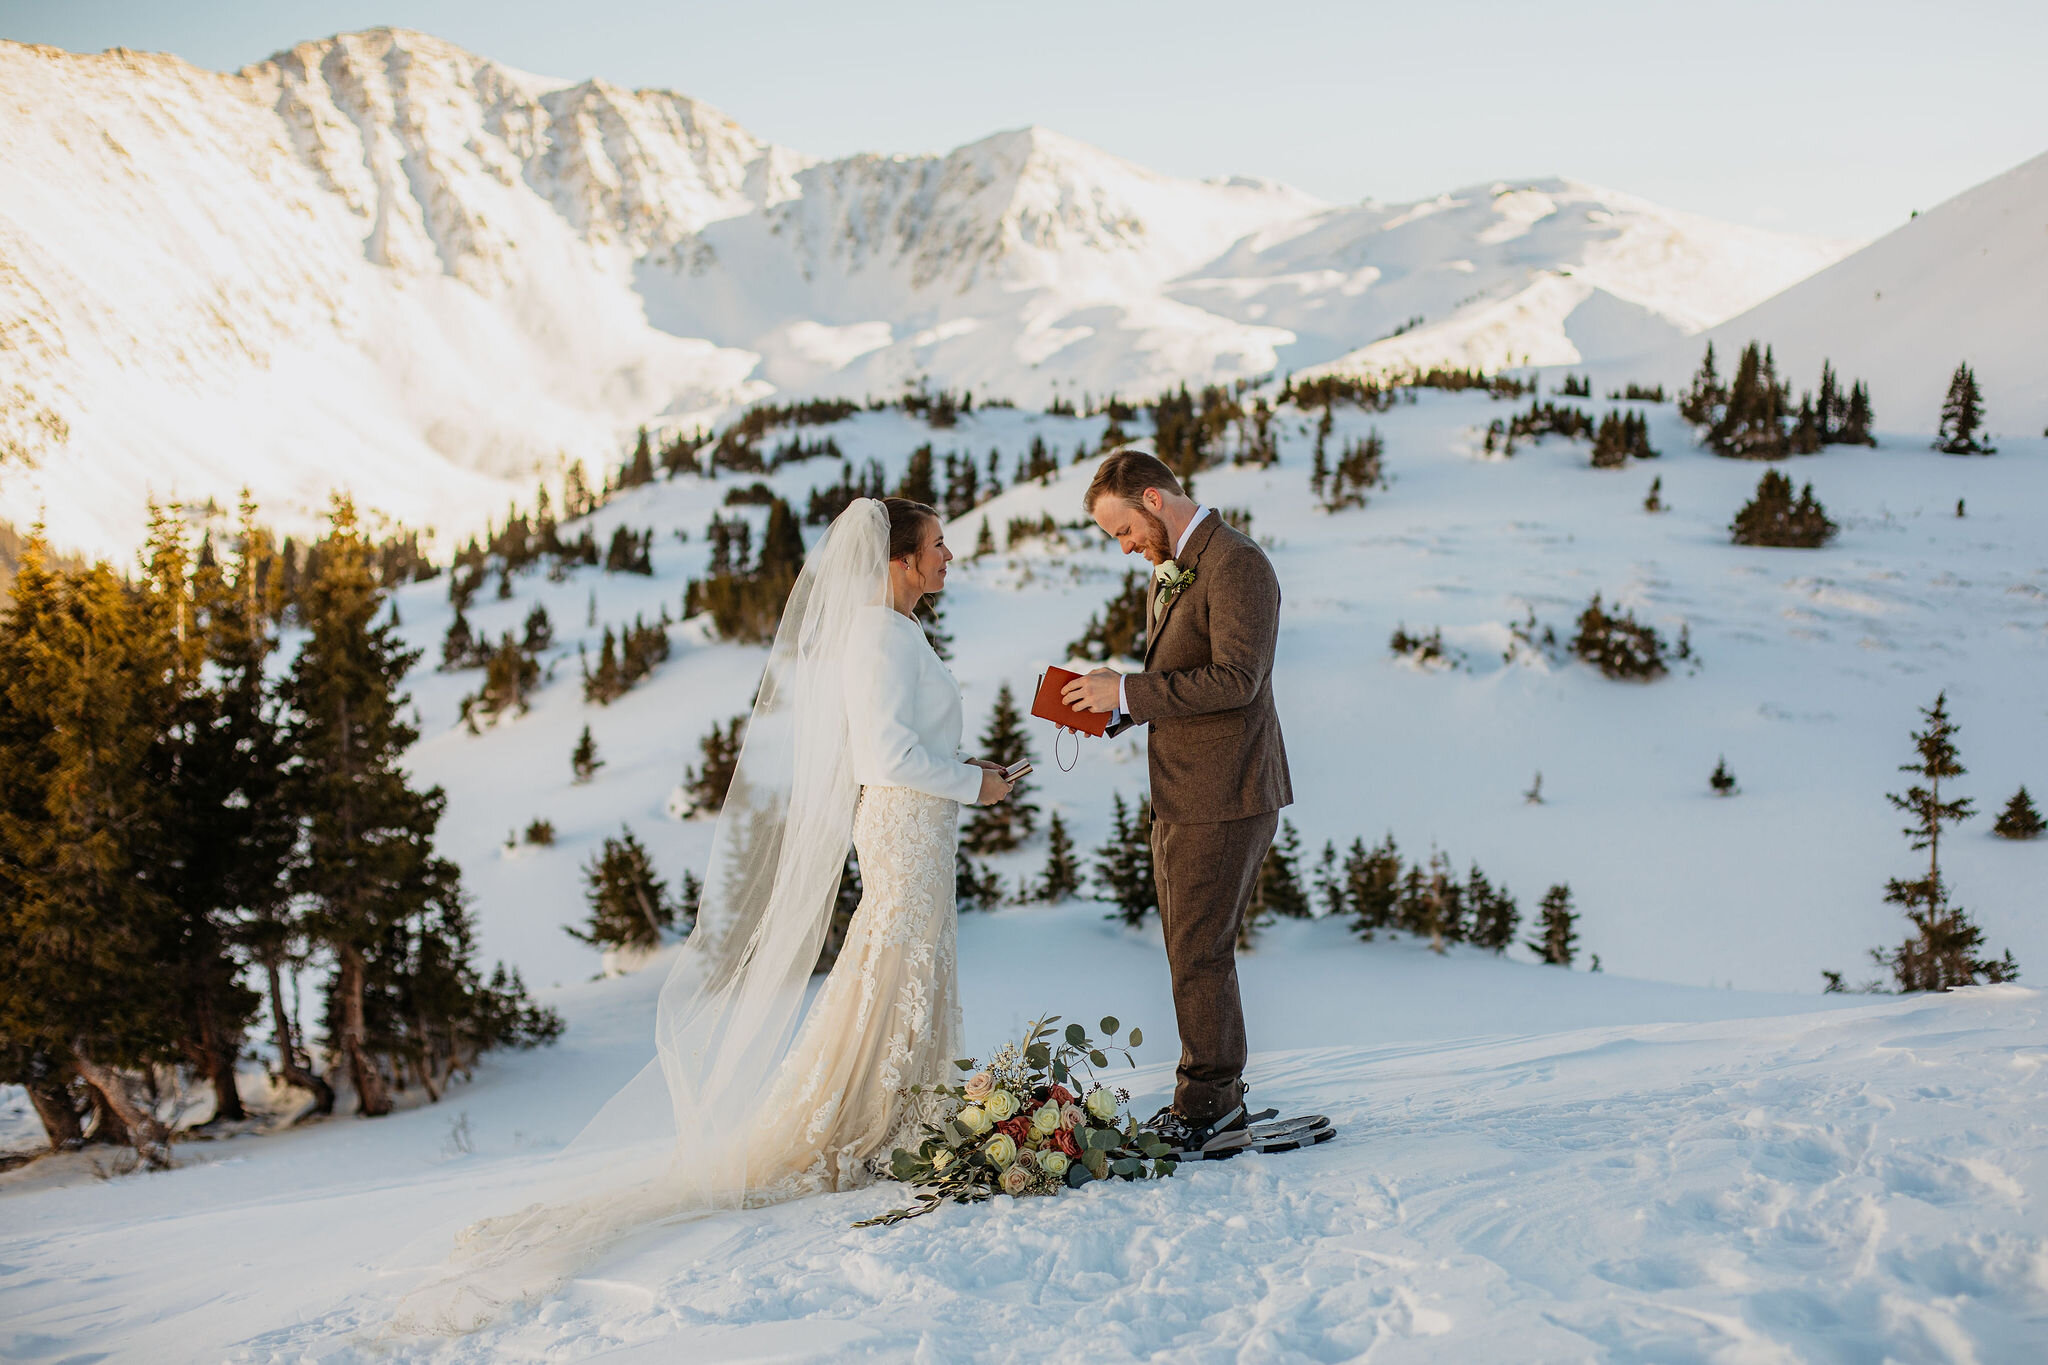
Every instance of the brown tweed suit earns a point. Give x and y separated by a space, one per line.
1219 778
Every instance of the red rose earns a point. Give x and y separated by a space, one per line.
1064 1140
1018 1128
1062 1095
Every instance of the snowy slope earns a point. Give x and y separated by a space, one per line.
1545 272
1964 281
380 260
1537 1164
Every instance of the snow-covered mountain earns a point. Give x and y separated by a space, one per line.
1965 281
1546 272
381 260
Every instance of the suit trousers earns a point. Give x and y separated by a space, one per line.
1205 875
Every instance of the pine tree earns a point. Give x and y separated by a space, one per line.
1856 425
540 631
259 828
1721 780
1123 865
86 918
1773 518
1062 876
2019 819
976 886
1279 890
1328 886
629 905
1617 644
706 785
1559 941
916 483
1655 501
583 759
1962 413
1751 424
984 540
458 646
1701 404
1372 885
1001 827
1941 953
367 866
1494 913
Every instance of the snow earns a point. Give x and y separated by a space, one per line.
1962 282
1691 1155
382 261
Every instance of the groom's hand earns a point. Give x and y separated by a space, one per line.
1096 691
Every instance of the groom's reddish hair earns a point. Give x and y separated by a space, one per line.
1126 475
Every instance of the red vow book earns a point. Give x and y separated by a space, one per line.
1047 705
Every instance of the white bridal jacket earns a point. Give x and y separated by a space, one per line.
903 711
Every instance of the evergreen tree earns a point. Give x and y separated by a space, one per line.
629 905
540 631
976 886
1001 827
1721 780
984 540
583 759
1279 890
1856 425
86 916
931 618
1773 518
1372 885
1654 502
1559 941
1123 865
917 482
1751 424
2019 819
1701 404
458 646
640 468
258 831
1328 886
1062 876
1962 413
377 896
1617 644
1494 913
1941 952
706 785
510 676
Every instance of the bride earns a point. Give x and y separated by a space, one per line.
754 1098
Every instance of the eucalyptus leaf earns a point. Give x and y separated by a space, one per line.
1109 1026
1098 1059
1059 1072
1127 1165
1077 1036
1038 1055
964 1063
1137 1037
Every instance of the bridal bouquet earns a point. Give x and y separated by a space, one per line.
1026 1122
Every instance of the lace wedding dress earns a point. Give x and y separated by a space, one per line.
752 1097
888 1017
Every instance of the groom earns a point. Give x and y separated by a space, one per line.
1218 766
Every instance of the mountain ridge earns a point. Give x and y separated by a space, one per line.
380 260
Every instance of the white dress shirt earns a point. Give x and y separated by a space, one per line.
1123 700
903 711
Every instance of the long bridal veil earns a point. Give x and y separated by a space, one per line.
680 1137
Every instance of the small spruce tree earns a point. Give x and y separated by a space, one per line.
1962 413
705 785
1062 876
1941 953
1279 890
1372 885
1123 865
1003 826
1772 517
583 759
629 905
2019 819
1721 780
1558 941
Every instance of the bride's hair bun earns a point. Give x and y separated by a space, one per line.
906 525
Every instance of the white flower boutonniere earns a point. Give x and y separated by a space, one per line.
1173 580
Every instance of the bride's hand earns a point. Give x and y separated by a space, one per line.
987 763
993 788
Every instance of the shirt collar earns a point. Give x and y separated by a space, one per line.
1193 521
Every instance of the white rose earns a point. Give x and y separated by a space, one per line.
942 1158
1053 1164
1001 1150
1046 1119
1168 571
1102 1103
973 1118
1002 1105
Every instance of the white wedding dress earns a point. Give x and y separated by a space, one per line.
753 1098
888 1017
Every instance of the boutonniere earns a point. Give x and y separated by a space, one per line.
1173 580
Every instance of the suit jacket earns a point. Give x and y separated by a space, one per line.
1207 690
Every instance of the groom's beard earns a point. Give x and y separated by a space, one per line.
1155 544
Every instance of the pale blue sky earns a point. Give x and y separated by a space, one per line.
1830 118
